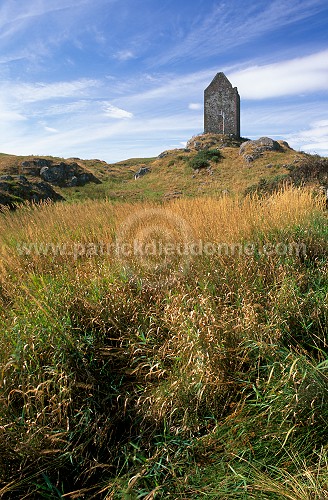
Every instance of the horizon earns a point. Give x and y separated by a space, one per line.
113 80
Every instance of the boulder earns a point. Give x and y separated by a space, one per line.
210 141
19 190
65 174
141 172
251 150
33 167
163 154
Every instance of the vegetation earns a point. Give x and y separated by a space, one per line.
171 172
202 158
310 168
132 372
265 187
307 170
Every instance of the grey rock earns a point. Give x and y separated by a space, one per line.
163 155
22 178
66 175
285 143
141 172
73 182
18 190
251 150
33 167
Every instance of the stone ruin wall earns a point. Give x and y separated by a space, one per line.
221 107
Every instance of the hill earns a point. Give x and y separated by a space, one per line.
166 350
173 174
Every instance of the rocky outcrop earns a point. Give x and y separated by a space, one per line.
251 150
209 141
141 172
33 167
62 174
17 189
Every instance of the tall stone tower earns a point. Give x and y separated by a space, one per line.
221 107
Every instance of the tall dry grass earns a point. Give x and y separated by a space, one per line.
106 354
210 220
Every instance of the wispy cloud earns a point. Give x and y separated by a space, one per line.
34 30
124 55
7 116
30 93
115 112
14 17
292 77
228 25
62 108
195 106
50 129
303 75
314 140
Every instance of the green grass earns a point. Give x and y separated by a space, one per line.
173 173
129 378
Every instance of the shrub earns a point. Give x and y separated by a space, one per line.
311 168
268 186
203 158
199 161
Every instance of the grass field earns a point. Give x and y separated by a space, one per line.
171 174
165 350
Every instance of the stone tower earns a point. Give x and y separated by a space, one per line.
221 107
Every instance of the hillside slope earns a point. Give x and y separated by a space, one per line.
235 168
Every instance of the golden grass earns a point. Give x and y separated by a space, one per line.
77 236
217 219
170 174
76 311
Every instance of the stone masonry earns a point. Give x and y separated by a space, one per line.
221 107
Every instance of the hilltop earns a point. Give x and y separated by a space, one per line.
233 166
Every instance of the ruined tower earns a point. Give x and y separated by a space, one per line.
221 107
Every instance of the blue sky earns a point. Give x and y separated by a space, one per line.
115 79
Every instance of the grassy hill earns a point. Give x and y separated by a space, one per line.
157 350
171 174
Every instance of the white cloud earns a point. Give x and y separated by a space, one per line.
114 112
195 106
43 91
292 77
51 129
313 140
14 19
124 55
7 115
228 25
68 108
171 87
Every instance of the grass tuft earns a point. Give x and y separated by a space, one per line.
132 372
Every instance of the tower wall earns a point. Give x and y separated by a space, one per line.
221 107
